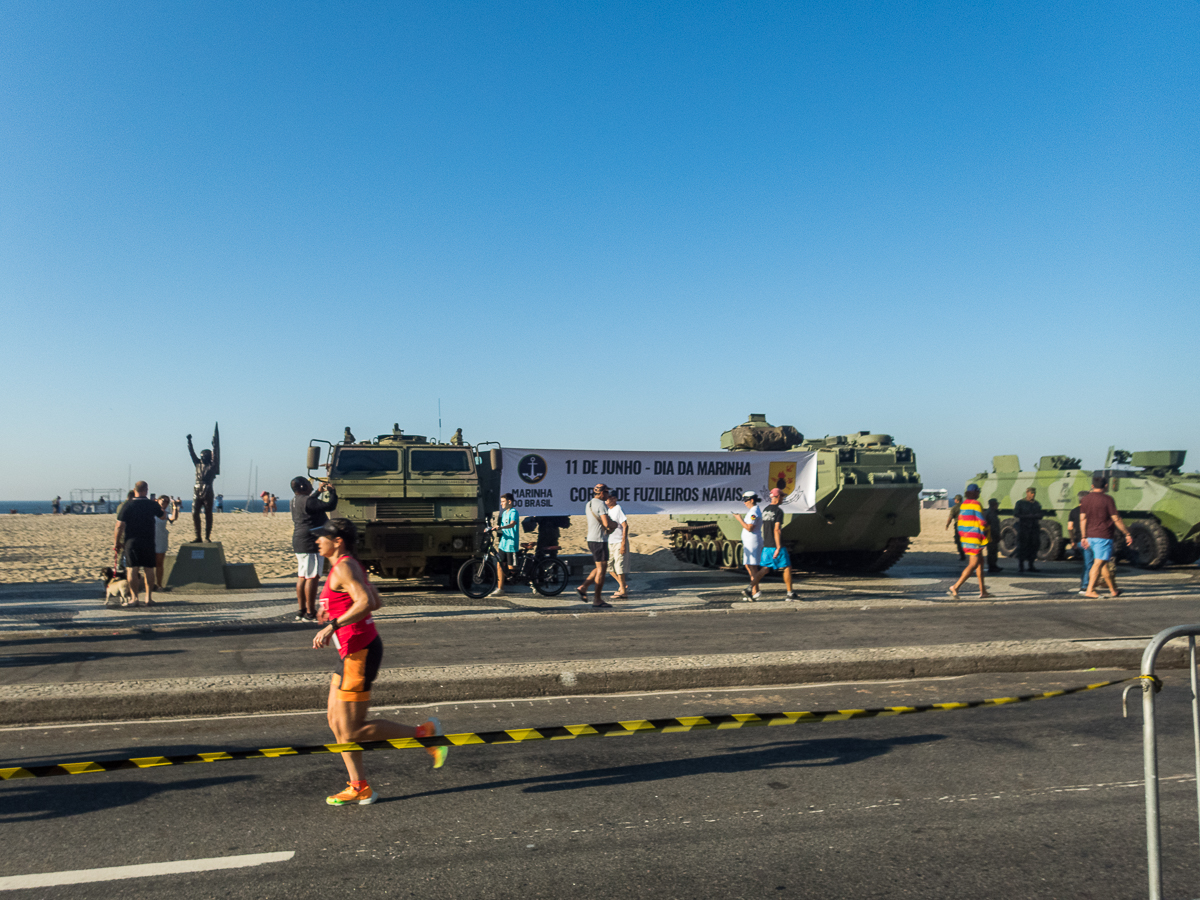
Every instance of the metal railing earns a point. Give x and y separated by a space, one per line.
1151 686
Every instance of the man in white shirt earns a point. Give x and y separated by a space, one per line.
599 527
618 545
751 541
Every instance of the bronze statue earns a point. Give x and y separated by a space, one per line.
208 467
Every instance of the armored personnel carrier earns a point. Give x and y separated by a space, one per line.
1159 503
419 505
866 507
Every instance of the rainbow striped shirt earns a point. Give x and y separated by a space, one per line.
972 527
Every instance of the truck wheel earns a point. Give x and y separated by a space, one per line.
1185 553
1150 547
477 578
1008 537
550 577
1050 541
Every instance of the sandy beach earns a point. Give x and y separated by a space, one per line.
74 548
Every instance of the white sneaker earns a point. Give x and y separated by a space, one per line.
757 595
498 592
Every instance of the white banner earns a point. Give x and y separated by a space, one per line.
560 482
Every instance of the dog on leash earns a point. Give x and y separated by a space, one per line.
116 588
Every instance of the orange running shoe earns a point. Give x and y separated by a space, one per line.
433 728
361 796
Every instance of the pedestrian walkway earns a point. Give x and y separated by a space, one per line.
920 579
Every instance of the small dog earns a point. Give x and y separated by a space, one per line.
116 587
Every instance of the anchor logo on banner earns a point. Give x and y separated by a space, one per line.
532 468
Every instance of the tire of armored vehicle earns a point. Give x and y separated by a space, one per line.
867 506
1159 504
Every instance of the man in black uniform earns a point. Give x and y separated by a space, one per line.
309 511
992 516
135 530
1029 529
208 467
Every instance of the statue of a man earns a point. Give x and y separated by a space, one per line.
208 467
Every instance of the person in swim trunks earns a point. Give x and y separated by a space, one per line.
347 601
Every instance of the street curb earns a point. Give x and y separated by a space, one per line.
198 696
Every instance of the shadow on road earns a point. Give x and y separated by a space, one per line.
48 801
57 659
780 755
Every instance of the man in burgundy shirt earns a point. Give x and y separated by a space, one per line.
1097 517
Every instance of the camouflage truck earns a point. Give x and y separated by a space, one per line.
1160 504
867 506
419 505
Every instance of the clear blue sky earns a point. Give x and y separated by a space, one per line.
975 226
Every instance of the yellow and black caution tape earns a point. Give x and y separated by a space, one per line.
551 733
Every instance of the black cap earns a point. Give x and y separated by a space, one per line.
337 528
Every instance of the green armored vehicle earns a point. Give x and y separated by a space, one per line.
866 505
1160 504
419 505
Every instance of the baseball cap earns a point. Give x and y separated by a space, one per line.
749 495
599 488
776 492
973 487
336 528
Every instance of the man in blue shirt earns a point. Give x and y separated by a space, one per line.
507 546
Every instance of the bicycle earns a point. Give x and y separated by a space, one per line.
477 577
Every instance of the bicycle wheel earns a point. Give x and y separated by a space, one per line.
477 578
550 577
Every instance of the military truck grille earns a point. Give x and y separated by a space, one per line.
403 509
403 543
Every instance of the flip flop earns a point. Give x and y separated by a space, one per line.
619 597
582 592
953 593
602 605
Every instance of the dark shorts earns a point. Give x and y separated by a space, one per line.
140 553
508 557
599 550
355 673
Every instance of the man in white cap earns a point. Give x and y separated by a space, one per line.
751 542
774 555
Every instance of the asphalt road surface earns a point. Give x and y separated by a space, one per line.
286 647
1039 799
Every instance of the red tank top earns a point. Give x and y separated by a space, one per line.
357 635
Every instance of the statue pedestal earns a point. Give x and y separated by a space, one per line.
202 567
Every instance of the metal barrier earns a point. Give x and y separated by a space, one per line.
1151 686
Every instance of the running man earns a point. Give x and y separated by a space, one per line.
346 604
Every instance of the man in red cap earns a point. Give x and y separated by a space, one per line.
774 555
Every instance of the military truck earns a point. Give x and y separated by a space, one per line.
867 507
1159 504
419 505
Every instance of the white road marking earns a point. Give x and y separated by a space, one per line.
115 873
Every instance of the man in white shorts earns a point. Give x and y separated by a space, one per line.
618 545
309 511
751 541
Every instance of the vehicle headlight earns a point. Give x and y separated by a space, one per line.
458 543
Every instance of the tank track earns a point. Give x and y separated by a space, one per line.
684 541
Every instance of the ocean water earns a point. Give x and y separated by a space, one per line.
42 507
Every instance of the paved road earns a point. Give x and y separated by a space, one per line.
1036 800
284 647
